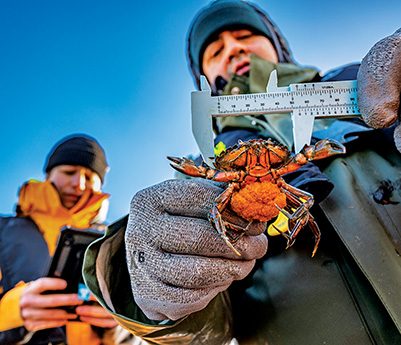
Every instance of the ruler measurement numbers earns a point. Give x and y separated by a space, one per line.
318 103
304 102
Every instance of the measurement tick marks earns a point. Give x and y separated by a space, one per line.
305 102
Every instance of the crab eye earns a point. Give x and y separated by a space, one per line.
237 160
275 165
232 158
275 157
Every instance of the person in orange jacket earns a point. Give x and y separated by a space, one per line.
70 195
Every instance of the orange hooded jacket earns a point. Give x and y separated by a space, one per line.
40 202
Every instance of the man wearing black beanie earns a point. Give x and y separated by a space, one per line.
70 195
78 150
233 15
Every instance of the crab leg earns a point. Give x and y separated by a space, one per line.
224 198
299 225
188 167
220 225
316 232
299 194
322 149
221 203
302 201
307 218
221 229
300 207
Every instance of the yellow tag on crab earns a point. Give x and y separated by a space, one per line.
279 226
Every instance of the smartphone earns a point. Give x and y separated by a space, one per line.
68 260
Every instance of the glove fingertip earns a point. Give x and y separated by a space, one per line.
255 248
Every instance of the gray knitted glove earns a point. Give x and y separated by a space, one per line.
176 260
379 85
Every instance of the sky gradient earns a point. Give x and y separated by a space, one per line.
117 71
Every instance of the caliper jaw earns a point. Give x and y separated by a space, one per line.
302 126
202 107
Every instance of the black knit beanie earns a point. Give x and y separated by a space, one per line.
78 150
222 15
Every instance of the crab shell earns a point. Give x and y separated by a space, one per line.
252 156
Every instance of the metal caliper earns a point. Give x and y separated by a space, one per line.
304 102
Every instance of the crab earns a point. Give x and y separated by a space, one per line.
256 190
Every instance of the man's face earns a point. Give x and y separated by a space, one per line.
71 181
230 53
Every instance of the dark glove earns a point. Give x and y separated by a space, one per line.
379 85
176 260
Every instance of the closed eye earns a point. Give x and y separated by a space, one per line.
244 37
243 34
69 172
217 52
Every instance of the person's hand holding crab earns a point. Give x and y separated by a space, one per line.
176 260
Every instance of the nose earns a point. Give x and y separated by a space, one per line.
79 181
234 47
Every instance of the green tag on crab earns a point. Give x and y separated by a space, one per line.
219 148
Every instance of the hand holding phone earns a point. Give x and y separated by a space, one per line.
40 310
95 315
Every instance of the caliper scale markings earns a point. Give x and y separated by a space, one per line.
305 102
329 103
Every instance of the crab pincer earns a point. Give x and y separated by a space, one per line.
187 166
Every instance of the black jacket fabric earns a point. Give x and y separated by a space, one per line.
24 257
21 236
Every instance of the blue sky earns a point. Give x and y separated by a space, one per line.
117 71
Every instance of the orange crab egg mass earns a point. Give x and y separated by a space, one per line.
257 201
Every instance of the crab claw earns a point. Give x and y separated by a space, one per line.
187 166
323 149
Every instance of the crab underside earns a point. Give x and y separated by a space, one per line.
256 191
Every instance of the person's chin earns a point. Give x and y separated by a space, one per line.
68 205
69 201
